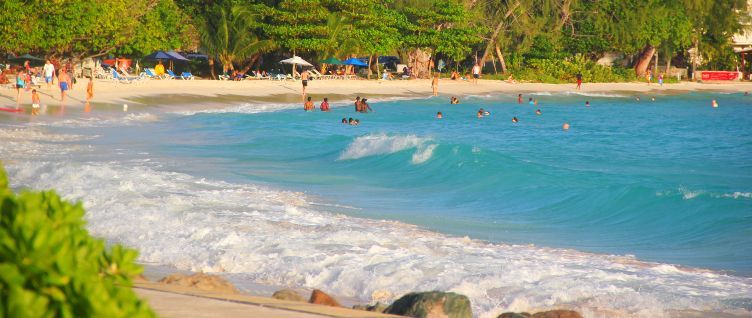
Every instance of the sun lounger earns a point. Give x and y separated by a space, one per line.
187 76
119 79
319 75
171 75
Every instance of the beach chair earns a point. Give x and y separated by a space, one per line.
321 76
171 75
224 77
150 73
133 78
187 76
119 79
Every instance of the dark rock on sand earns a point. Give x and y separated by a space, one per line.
433 304
201 281
288 294
557 314
514 315
378 307
321 298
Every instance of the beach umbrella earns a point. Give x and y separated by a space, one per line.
159 55
176 56
355 62
296 60
33 60
332 60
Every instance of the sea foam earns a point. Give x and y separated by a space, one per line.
276 237
382 144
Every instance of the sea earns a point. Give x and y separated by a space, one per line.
642 208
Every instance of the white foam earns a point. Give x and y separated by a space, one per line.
275 237
383 144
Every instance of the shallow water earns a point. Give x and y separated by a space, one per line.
640 184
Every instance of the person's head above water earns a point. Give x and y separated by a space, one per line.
439 115
529 99
344 120
514 119
538 112
309 98
326 99
357 98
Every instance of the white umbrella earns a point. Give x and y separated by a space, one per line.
296 60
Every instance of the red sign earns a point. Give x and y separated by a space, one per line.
719 76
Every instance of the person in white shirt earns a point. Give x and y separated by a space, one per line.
476 73
49 72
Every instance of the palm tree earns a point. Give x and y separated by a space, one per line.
227 36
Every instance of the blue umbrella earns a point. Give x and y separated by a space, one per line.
159 55
176 56
354 61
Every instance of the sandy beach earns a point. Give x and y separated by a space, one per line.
109 92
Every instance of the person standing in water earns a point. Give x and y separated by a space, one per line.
304 78
364 107
476 73
357 104
308 106
34 102
519 98
435 84
325 105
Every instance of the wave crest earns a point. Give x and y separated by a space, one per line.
382 144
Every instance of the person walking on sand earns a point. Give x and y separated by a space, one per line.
49 72
304 78
435 84
64 81
20 83
579 81
476 73
648 77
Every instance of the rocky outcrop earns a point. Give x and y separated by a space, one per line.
201 281
288 294
321 298
557 314
544 314
378 307
432 305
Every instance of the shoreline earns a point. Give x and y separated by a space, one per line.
265 91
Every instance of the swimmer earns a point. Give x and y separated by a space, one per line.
356 122
519 98
587 103
565 126
484 112
515 120
308 106
530 101
538 112
350 121
637 98
454 100
652 99
344 120
480 114
364 107
746 93
714 103
357 104
439 115
325 105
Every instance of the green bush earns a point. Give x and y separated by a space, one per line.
51 267
558 71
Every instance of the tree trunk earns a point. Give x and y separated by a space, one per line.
419 63
211 68
644 60
495 35
668 64
493 60
370 63
250 63
501 60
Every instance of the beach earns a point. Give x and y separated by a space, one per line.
232 178
109 92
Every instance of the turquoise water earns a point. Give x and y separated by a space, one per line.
667 180
616 214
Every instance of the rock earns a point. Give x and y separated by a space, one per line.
321 298
378 307
288 294
433 304
201 281
557 314
514 315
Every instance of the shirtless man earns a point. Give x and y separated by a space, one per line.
435 84
357 104
476 73
65 83
308 106
304 78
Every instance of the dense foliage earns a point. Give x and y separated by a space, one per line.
513 34
51 267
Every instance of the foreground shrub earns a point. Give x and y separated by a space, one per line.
51 267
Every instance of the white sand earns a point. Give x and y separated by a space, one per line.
106 91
